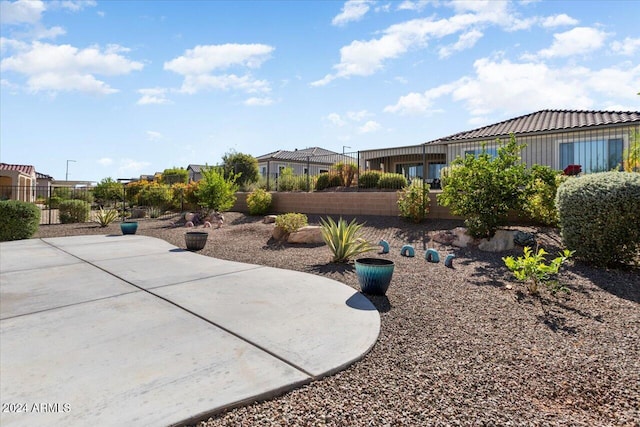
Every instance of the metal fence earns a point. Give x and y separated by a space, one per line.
156 202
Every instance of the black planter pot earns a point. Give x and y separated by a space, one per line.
374 275
196 240
129 227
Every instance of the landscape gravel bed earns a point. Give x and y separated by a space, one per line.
462 346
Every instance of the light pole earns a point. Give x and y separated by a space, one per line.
343 147
66 176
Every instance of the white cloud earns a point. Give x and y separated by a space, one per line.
153 96
514 88
153 135
131 167
420 103
558 21
352 10
198 64
205 59
369 127
195 83
73 5
358 116
627 47
105 161
21 11
335 119
258 102
417 5
364 58
465 41
50 67
577 41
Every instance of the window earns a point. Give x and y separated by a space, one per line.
264 171
410 171
434 170
593 156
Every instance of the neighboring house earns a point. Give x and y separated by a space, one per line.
43 185
17 182
195 172
595 140
312 161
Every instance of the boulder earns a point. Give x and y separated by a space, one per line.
308 234
523 238
279 234
501 241
461 238
269 219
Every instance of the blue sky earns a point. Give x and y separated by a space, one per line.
132 87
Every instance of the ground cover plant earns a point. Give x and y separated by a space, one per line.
456 346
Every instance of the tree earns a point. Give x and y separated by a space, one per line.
215 191
484 190
631 156
174 176
244 167
108 190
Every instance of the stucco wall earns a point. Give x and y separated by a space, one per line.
341 203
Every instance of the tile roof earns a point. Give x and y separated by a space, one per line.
317 155
546 121
25 169
196 168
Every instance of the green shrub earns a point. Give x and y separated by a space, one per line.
215 191
369 179
74 211
156 195
533 271
540 204
346 172
259 202
393 181
287 181
413 201
107 191
19 220
83 194
599 216
327 180
63 193
342 239
106 217
54 202
483 189
291 222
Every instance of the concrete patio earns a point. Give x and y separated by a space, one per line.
121 330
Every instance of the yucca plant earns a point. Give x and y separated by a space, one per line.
106 217
342 239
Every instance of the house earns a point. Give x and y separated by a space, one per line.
595 140
43 185
195 172
17 182
312 161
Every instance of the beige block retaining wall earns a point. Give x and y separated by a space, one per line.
384 203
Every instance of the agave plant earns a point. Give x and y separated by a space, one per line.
342 240
105 218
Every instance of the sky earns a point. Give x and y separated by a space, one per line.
125 88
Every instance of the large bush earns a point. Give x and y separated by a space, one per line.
483 189
215 192
19 220
327 180
540 204
242 167
413 201
392 181
369 179
259 202
74 211
107 191
600 217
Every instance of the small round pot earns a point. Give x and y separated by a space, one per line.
195 240
374 275
129 227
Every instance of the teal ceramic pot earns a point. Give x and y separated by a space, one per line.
374 275
129 227
195 240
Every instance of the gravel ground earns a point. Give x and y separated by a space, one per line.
462 346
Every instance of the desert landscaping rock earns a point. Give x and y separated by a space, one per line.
311 234
456 346
500 242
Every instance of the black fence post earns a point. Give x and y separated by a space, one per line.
50 194
308 174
